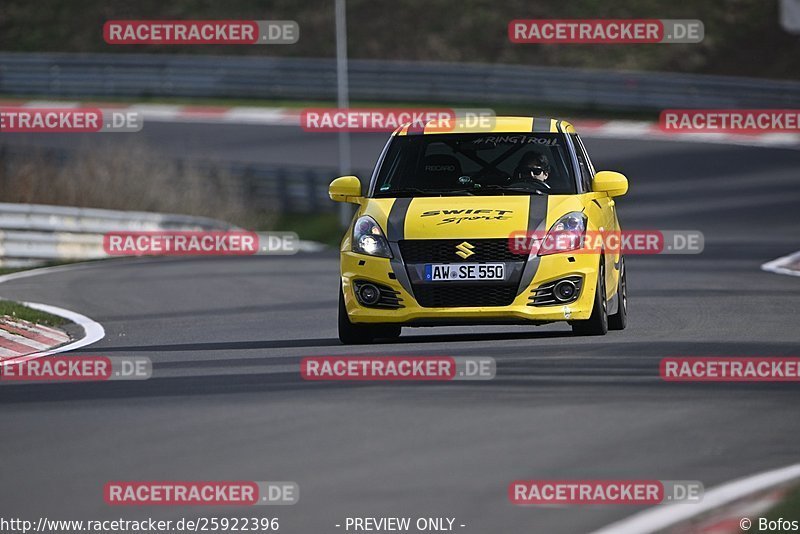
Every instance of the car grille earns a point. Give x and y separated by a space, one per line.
444 250
447 296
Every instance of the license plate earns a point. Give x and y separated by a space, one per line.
441 272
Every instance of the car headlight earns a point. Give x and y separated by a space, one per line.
368 238
566 234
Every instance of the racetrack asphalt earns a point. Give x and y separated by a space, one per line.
226 401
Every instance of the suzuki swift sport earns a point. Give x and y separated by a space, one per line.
436 237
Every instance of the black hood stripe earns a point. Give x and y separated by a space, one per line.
395 231
537 219
396 221
537 211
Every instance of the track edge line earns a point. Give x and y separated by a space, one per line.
662 517
92 330
776 265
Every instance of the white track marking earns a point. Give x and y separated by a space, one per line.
93 331
779 265
665 516
43 270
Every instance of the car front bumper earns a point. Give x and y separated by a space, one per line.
358 267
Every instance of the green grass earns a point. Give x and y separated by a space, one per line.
9 270
17 310
320 227
788 508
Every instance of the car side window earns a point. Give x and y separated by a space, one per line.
587 170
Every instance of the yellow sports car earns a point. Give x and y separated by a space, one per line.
464 226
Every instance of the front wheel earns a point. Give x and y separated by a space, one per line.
597 323
358 334
619 320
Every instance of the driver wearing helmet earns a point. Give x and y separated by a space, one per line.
532 166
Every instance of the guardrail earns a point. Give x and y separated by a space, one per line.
152 75
296 189
32 234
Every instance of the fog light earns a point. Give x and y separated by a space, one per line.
565 290
369 294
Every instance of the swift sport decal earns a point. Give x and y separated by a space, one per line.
456 216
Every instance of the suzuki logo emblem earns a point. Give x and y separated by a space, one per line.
465 250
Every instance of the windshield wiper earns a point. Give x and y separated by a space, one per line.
414 191
509 189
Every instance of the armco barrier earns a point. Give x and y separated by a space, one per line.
152 75
32 234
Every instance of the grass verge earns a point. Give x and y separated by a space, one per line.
19 311
319 227
9 270
788 508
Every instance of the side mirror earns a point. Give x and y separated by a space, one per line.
345 189
613 183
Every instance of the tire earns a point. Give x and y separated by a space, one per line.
357 334
597 323
619 320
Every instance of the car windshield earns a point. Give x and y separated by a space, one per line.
476 164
